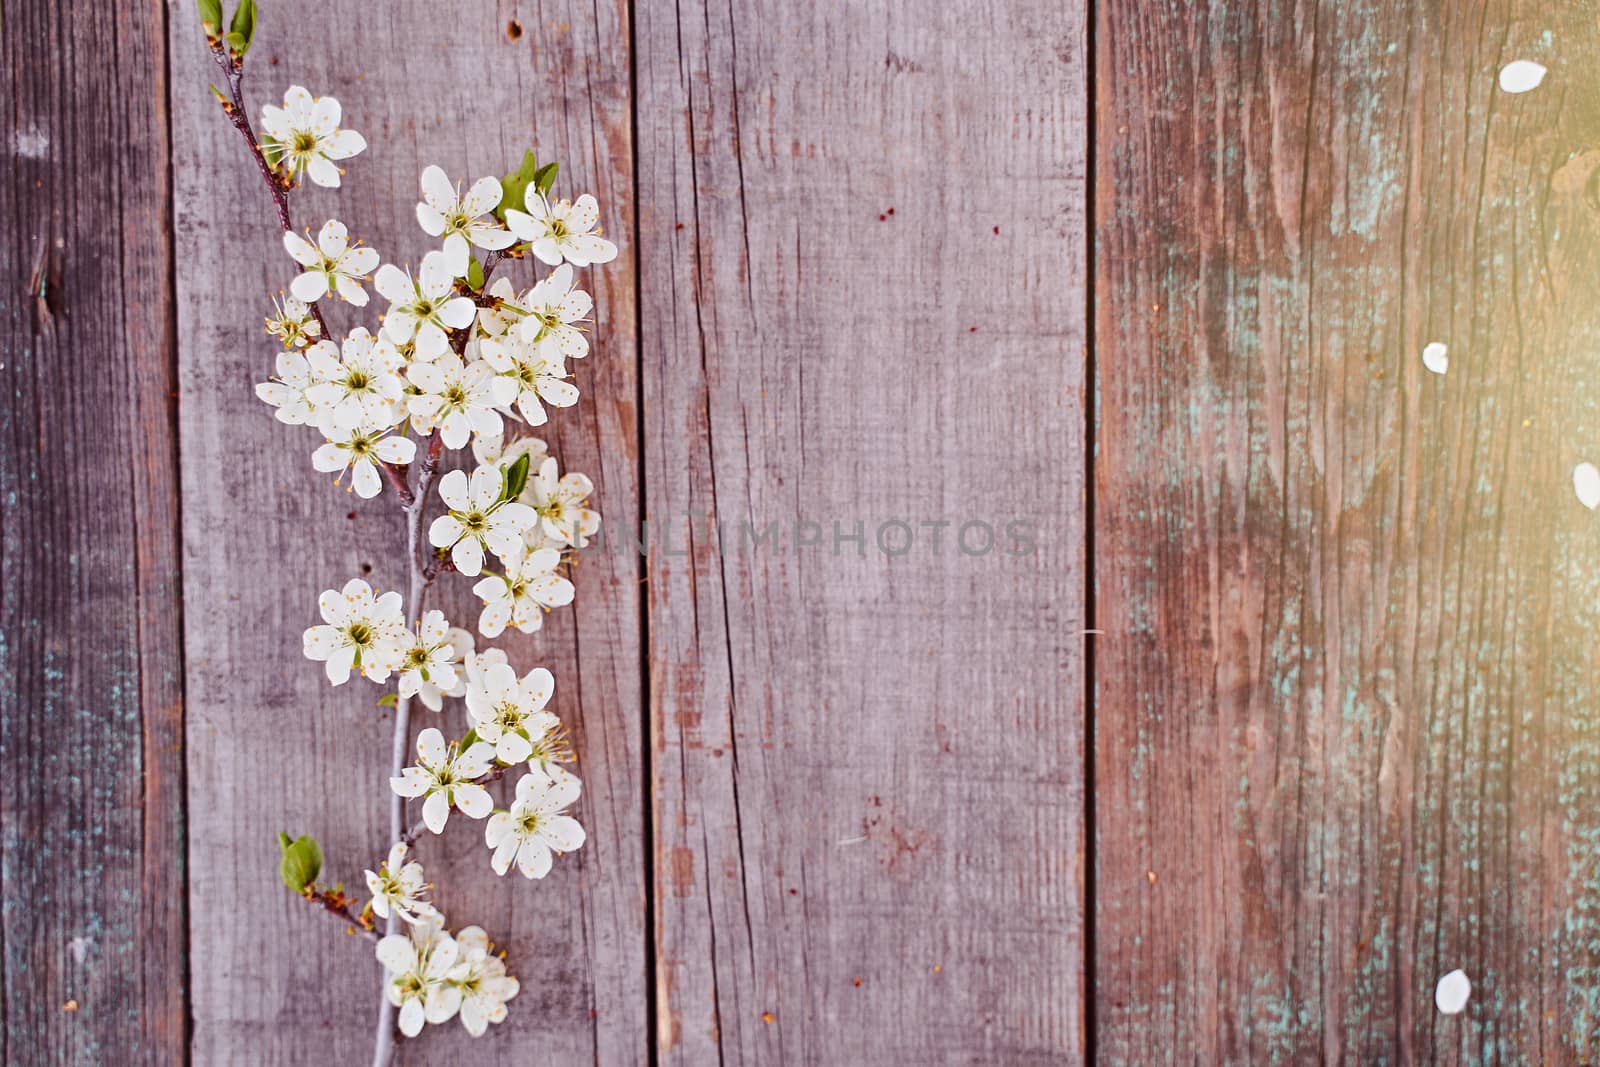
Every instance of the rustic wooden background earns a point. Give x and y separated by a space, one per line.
1153 277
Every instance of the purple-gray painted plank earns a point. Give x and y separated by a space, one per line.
863 229
91 706
271 745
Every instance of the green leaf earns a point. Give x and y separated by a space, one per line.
513 187
467 741
302 861
211 17
388 700
243 29
475 274
516 478
545 178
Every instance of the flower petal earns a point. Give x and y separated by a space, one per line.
436 811
473 801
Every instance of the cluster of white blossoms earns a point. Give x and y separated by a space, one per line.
449 358
452 362
433 976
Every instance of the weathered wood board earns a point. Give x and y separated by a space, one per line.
270 745
862 239
91 706
1345 722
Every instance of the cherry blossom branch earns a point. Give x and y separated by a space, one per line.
233 71
415 509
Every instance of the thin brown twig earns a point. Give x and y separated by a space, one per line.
338 905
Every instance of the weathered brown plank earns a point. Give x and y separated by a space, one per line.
863 231
1345 737
271 744
91 710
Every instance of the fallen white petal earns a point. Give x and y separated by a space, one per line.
1586 480
1521 75
1453 991
1435 357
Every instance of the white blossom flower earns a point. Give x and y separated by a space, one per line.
561 229
536 825
493 450
519 596
504 312
289 390
292 322
552 746
361 387
304 136
481 978
460 219
477 519
477 666
458 398
398 886
423 307
428 658
446 779
416 967
508 713
554 308
360 632
530 376
563 516
361 449
332 264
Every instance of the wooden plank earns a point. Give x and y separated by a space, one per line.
271 744
863 229
1345 736
91 712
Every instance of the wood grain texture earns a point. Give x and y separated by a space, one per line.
271 745
91 709
1346 737
863 229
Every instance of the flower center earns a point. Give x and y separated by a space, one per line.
473 521
417 657
305 142
423 308
456 395
508 716
558 229
360 445
529 822
357 381
360 634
